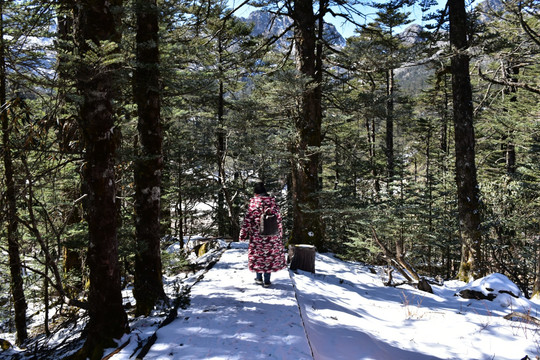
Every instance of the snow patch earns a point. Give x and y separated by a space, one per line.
496 287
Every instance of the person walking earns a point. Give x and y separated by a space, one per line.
265 252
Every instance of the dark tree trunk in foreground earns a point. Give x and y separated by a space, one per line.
96 22
148 287
307 222
467 185
15 266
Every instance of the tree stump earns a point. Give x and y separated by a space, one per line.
302 257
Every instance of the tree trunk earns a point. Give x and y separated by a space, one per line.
165 219
179 224
429 185
68 135
467 185
370 130
96 22
220 145
536 287
444 151
148 287
15 265
399 262
510 148
46 295
307 222
389 127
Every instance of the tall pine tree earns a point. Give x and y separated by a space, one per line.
307 221
97 37
148 286
15 264
467 184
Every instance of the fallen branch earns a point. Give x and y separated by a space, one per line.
116 351
527 317
400 264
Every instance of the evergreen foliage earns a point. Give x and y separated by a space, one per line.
230 104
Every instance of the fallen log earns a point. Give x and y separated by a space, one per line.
399 263
117 350
527 317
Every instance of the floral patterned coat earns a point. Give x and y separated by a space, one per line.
265 254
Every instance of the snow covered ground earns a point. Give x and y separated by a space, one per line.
343 311
351 315
347 313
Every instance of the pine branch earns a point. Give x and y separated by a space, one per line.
535 37
520 85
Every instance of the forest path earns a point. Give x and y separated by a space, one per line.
231 317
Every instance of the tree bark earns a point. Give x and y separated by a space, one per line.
536 286
148 287
510 148
467 185
15 265
96 23
307 223
220 143
370 131
389 127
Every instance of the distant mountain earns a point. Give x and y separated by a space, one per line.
413 34
268 25
265 24
411 78
488 7
414 78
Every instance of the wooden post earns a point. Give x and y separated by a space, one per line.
302 257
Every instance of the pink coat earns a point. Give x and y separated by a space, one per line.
265 254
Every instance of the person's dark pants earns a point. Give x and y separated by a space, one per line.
266 277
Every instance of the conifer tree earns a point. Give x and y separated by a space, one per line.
98 36
389 17
15 264
307 222
30 110
471 266
231 50
508 79
199 105
148 287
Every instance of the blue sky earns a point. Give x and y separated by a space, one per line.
346 29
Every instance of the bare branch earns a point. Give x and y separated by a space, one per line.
65 299
532 34
523 316
520 85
